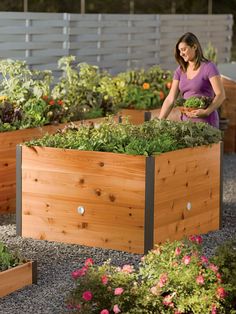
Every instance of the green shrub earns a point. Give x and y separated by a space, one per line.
225 258
173 278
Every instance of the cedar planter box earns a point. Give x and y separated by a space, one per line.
139 116
228 111
8 141
18 277
117 201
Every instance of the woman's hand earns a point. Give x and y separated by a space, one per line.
198 113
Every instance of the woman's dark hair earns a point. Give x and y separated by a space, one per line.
190 39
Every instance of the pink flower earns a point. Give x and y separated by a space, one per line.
79 272
116 309
127 269
87 295
88 262
200 280
186 259
214 268
196 238
105 311
218 276
213 309
204 259
104 279
221 293
168 301
177 251
78 306
118 291
163 279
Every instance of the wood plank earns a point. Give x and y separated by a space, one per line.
187 177
16 278
111 190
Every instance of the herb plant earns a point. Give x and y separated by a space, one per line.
8 259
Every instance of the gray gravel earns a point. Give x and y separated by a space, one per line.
56 260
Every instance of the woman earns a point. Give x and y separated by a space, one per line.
195 76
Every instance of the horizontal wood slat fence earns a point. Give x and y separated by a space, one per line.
114 42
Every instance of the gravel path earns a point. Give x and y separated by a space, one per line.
56 260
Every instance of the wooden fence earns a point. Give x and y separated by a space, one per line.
112 41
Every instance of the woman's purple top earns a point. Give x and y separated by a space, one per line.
199 85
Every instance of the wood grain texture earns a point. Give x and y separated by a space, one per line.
8 141
109 186
188 176
16 278
228 110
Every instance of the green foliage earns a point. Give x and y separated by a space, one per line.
80 89
211 53
173 278
144 89
152 137
200 102
8 259
225 258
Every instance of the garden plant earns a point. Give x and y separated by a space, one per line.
175 278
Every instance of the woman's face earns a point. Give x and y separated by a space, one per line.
186 52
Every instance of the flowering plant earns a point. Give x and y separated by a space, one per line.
173 278
102 289
144 89
177 278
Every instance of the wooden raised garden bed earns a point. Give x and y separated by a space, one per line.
228 111
17 277
8 141
139 116
117 201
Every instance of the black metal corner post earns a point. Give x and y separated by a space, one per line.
18 190
221 183
149 204
147 116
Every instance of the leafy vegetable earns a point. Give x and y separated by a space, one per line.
152 137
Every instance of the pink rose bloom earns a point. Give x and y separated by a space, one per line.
168 301
221 293
200 280
198 239
88 262
177 251
218 276
118 291
79 273
213 309
163 279
204 259
78 306
186 259
214 268
105 311
104 279
116 309
87 295
127 269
